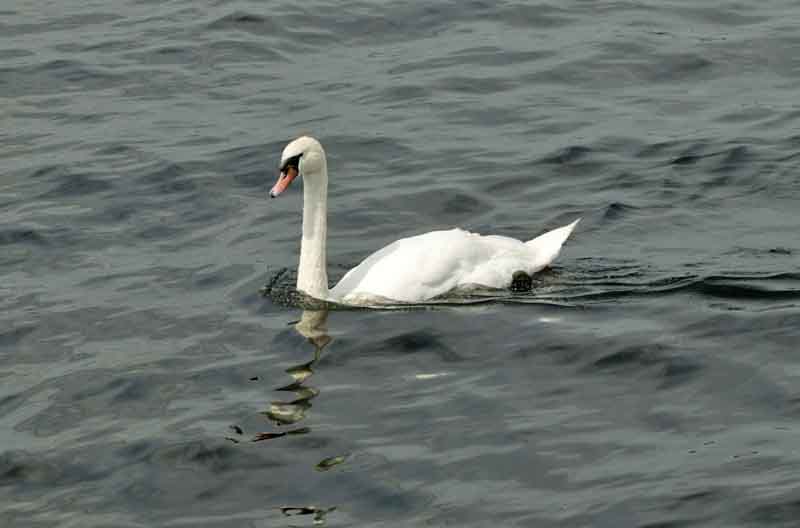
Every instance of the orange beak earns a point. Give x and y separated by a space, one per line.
283 182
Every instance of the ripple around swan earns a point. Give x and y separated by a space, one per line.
564 288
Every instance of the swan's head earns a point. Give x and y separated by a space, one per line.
302 157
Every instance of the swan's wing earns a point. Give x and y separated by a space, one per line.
508 255
415 268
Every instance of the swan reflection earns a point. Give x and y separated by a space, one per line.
293 410
313 327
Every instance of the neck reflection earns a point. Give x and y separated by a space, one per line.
312 326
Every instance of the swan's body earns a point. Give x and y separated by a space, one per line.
429 265
413 269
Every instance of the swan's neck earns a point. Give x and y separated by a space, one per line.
312 274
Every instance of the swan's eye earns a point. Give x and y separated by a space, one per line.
293 162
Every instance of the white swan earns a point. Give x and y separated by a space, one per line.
413 269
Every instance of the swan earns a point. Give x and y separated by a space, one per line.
410 270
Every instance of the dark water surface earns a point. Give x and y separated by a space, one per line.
651 380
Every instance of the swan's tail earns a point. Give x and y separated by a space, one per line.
546 247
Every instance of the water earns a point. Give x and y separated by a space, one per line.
649 380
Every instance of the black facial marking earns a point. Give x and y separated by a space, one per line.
293 162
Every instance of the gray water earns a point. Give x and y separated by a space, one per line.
649 380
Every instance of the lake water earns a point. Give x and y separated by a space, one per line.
651 379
